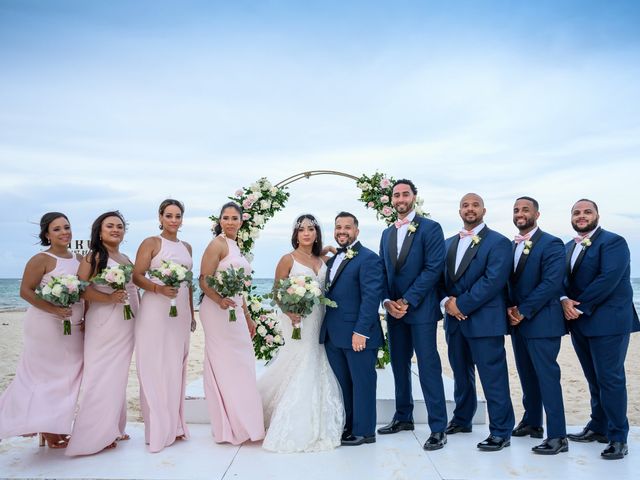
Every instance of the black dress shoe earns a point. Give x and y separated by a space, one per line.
395 426
353 440
493 443
587 435
552 446
436 441
346 434
615 451
455 428
522 430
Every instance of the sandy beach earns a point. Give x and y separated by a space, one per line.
576 395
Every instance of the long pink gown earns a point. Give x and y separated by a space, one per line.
162 347
42 396
229 366
108 346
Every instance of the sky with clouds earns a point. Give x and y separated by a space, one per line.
120 104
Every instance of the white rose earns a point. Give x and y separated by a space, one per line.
255 187
300 291
56 291
255 233
265 204
46 290
262 331
277 339
266 184
273 190
258 220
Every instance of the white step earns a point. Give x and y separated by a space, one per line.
196 408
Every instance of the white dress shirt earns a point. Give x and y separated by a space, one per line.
402 231
519 249
463 245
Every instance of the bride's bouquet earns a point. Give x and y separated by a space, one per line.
229 283
299 295
117 278
172 274
63 291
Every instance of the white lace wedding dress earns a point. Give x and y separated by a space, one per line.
302 401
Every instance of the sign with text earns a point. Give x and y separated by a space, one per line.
80 246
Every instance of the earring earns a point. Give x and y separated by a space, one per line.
160 226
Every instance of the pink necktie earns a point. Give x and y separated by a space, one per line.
466 233
579 239
522 238
399 223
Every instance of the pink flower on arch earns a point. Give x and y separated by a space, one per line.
386 211
385 182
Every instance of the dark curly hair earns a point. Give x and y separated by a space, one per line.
45 221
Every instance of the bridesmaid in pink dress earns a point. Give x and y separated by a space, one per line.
230 386
162 342
108 345
42 396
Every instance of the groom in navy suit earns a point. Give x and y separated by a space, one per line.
413 254
599 308
474 283
351 333
537 326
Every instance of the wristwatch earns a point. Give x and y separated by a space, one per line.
403 301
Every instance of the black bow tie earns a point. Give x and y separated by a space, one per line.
341 250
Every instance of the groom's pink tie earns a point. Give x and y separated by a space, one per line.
466 233
579 238
522 238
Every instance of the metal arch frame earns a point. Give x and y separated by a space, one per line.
312 173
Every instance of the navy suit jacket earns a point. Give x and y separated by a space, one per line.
356 288
600 281
415 273
479 285
536 287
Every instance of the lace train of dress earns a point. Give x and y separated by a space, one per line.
302 401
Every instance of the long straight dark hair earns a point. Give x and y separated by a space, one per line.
316 248
218 228
98 254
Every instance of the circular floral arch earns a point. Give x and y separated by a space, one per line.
262 200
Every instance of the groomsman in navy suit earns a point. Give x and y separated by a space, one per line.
537 326
476 272
599 308
413 254
351 333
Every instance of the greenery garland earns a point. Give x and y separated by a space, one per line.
260 202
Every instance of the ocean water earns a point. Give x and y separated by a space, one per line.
10 293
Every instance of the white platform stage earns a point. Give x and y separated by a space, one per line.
196 409
397 457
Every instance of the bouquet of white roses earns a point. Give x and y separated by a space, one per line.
63 291
229 283
117 278
299 295
172 274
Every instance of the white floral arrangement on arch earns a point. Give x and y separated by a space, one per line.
260 202
376 191
268 338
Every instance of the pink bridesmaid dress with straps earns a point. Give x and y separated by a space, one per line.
229 367
108 347
162 348
42 396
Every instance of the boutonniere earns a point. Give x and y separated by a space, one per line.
528 244
475 240
586 242
413 226
350 253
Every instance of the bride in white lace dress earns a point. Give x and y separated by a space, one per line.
302 401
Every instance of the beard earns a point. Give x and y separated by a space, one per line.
344 241
527 225
587 228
